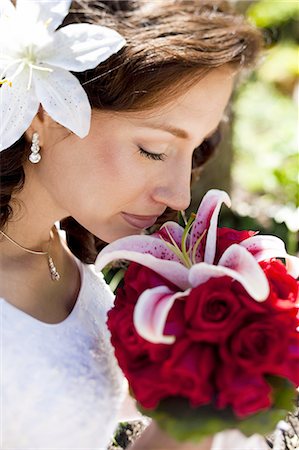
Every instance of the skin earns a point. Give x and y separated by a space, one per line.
95 180
108 157
153 438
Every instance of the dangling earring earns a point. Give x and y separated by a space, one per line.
34 156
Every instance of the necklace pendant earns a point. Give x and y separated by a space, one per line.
53 271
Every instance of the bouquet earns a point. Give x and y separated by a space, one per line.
205 325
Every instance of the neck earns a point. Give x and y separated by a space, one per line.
28 277
34 215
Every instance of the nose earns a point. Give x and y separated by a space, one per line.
175 189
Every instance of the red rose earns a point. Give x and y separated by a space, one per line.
227 237
213 310
137 279
149 386
156 371
131 350
120 319
255 338
182 375
260 346
141 360
290 367
245 393
284 289
190 368
130 347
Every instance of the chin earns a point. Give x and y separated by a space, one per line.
111 235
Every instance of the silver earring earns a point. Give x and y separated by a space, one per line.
35 156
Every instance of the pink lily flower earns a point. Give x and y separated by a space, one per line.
185 257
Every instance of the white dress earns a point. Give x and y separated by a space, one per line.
61 385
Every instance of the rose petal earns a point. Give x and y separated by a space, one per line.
18 106
64 99
80 47
151 311
50 12
266 247
206 220
239 264
171 270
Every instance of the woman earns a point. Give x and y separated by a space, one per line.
155 103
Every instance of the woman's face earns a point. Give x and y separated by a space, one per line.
131 166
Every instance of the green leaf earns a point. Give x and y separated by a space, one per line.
283 392
183 423
116 279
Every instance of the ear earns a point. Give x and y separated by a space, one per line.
37 125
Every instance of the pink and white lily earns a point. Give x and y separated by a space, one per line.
186 258
37 58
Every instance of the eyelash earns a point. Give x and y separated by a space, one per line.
152 156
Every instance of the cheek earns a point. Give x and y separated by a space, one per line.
123 171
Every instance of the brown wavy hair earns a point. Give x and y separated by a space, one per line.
170 44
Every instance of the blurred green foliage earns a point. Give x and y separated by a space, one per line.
265 141
281 64
265 130
267 13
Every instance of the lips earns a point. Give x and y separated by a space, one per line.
139 221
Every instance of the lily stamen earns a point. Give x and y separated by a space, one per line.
30 77
175 249
33 66
194 250
48 21
6 81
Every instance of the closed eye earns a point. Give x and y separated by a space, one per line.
152 156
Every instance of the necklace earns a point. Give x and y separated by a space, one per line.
55 276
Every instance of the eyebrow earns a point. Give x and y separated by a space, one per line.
177 132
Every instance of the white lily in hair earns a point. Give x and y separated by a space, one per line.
35 65
187 258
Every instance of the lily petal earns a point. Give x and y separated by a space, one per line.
50 12
206 220
151 311
244 264
80 47
7 9
292 264
239 264
170 270
176 232
64 99
266 247
142 244
7 22
18 106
